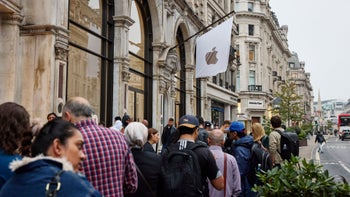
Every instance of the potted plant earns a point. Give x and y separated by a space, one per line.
300 178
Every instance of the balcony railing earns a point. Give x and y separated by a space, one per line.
254 88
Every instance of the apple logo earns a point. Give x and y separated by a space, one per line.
210 57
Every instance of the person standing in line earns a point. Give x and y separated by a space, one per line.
188 133
275 141
145 122
242 152
321 141
51 116
152 138
232 179
110 165
14 124
168 133
202 133
259 136
149 184
118 125
57 152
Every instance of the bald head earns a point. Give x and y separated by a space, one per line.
216 137
77 108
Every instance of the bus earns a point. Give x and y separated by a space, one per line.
344 126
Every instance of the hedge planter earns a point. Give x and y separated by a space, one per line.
303 142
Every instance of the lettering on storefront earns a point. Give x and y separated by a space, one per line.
255 104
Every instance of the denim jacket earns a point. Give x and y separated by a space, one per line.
33 174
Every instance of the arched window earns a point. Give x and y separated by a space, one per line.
90 58
140 50
180 78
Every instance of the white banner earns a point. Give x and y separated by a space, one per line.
213 50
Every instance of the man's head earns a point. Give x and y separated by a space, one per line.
207 125
76 109
216 138
117 118
188 124
126 120
145 122
201 122
276 121
170 122
237 130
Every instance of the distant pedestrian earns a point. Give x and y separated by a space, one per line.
14 124
152 138
51 116
168 133
202 132
227 165
109 165
145 122
118 125
321 142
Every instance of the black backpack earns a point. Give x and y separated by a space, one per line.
289 144
260 161
181 172
263 160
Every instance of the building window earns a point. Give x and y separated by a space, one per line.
291 65
252 77
251 52
90 58
251 30
180 78
250 6
139 104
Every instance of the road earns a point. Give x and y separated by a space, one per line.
335 157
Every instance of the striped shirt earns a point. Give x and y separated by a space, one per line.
109 165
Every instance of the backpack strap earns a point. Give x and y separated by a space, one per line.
145 180
225 173
279 132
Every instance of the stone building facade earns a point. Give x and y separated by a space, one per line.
138 57
297 74
263 48
124 56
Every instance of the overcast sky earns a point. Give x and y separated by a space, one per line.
319 31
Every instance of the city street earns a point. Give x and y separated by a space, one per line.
335 157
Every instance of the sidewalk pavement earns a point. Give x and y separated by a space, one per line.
309 152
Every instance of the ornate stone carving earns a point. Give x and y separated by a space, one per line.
162 87
125 73
61 53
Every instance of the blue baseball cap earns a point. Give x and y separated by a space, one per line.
236 126
188 121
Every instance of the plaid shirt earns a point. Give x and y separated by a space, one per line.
109 165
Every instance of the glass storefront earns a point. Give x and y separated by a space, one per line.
140 54
90 57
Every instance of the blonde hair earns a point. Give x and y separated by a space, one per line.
258 131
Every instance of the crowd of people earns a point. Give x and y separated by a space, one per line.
74 155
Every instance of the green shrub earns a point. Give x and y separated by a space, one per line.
302 135
300 178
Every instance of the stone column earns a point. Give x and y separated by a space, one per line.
121 64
